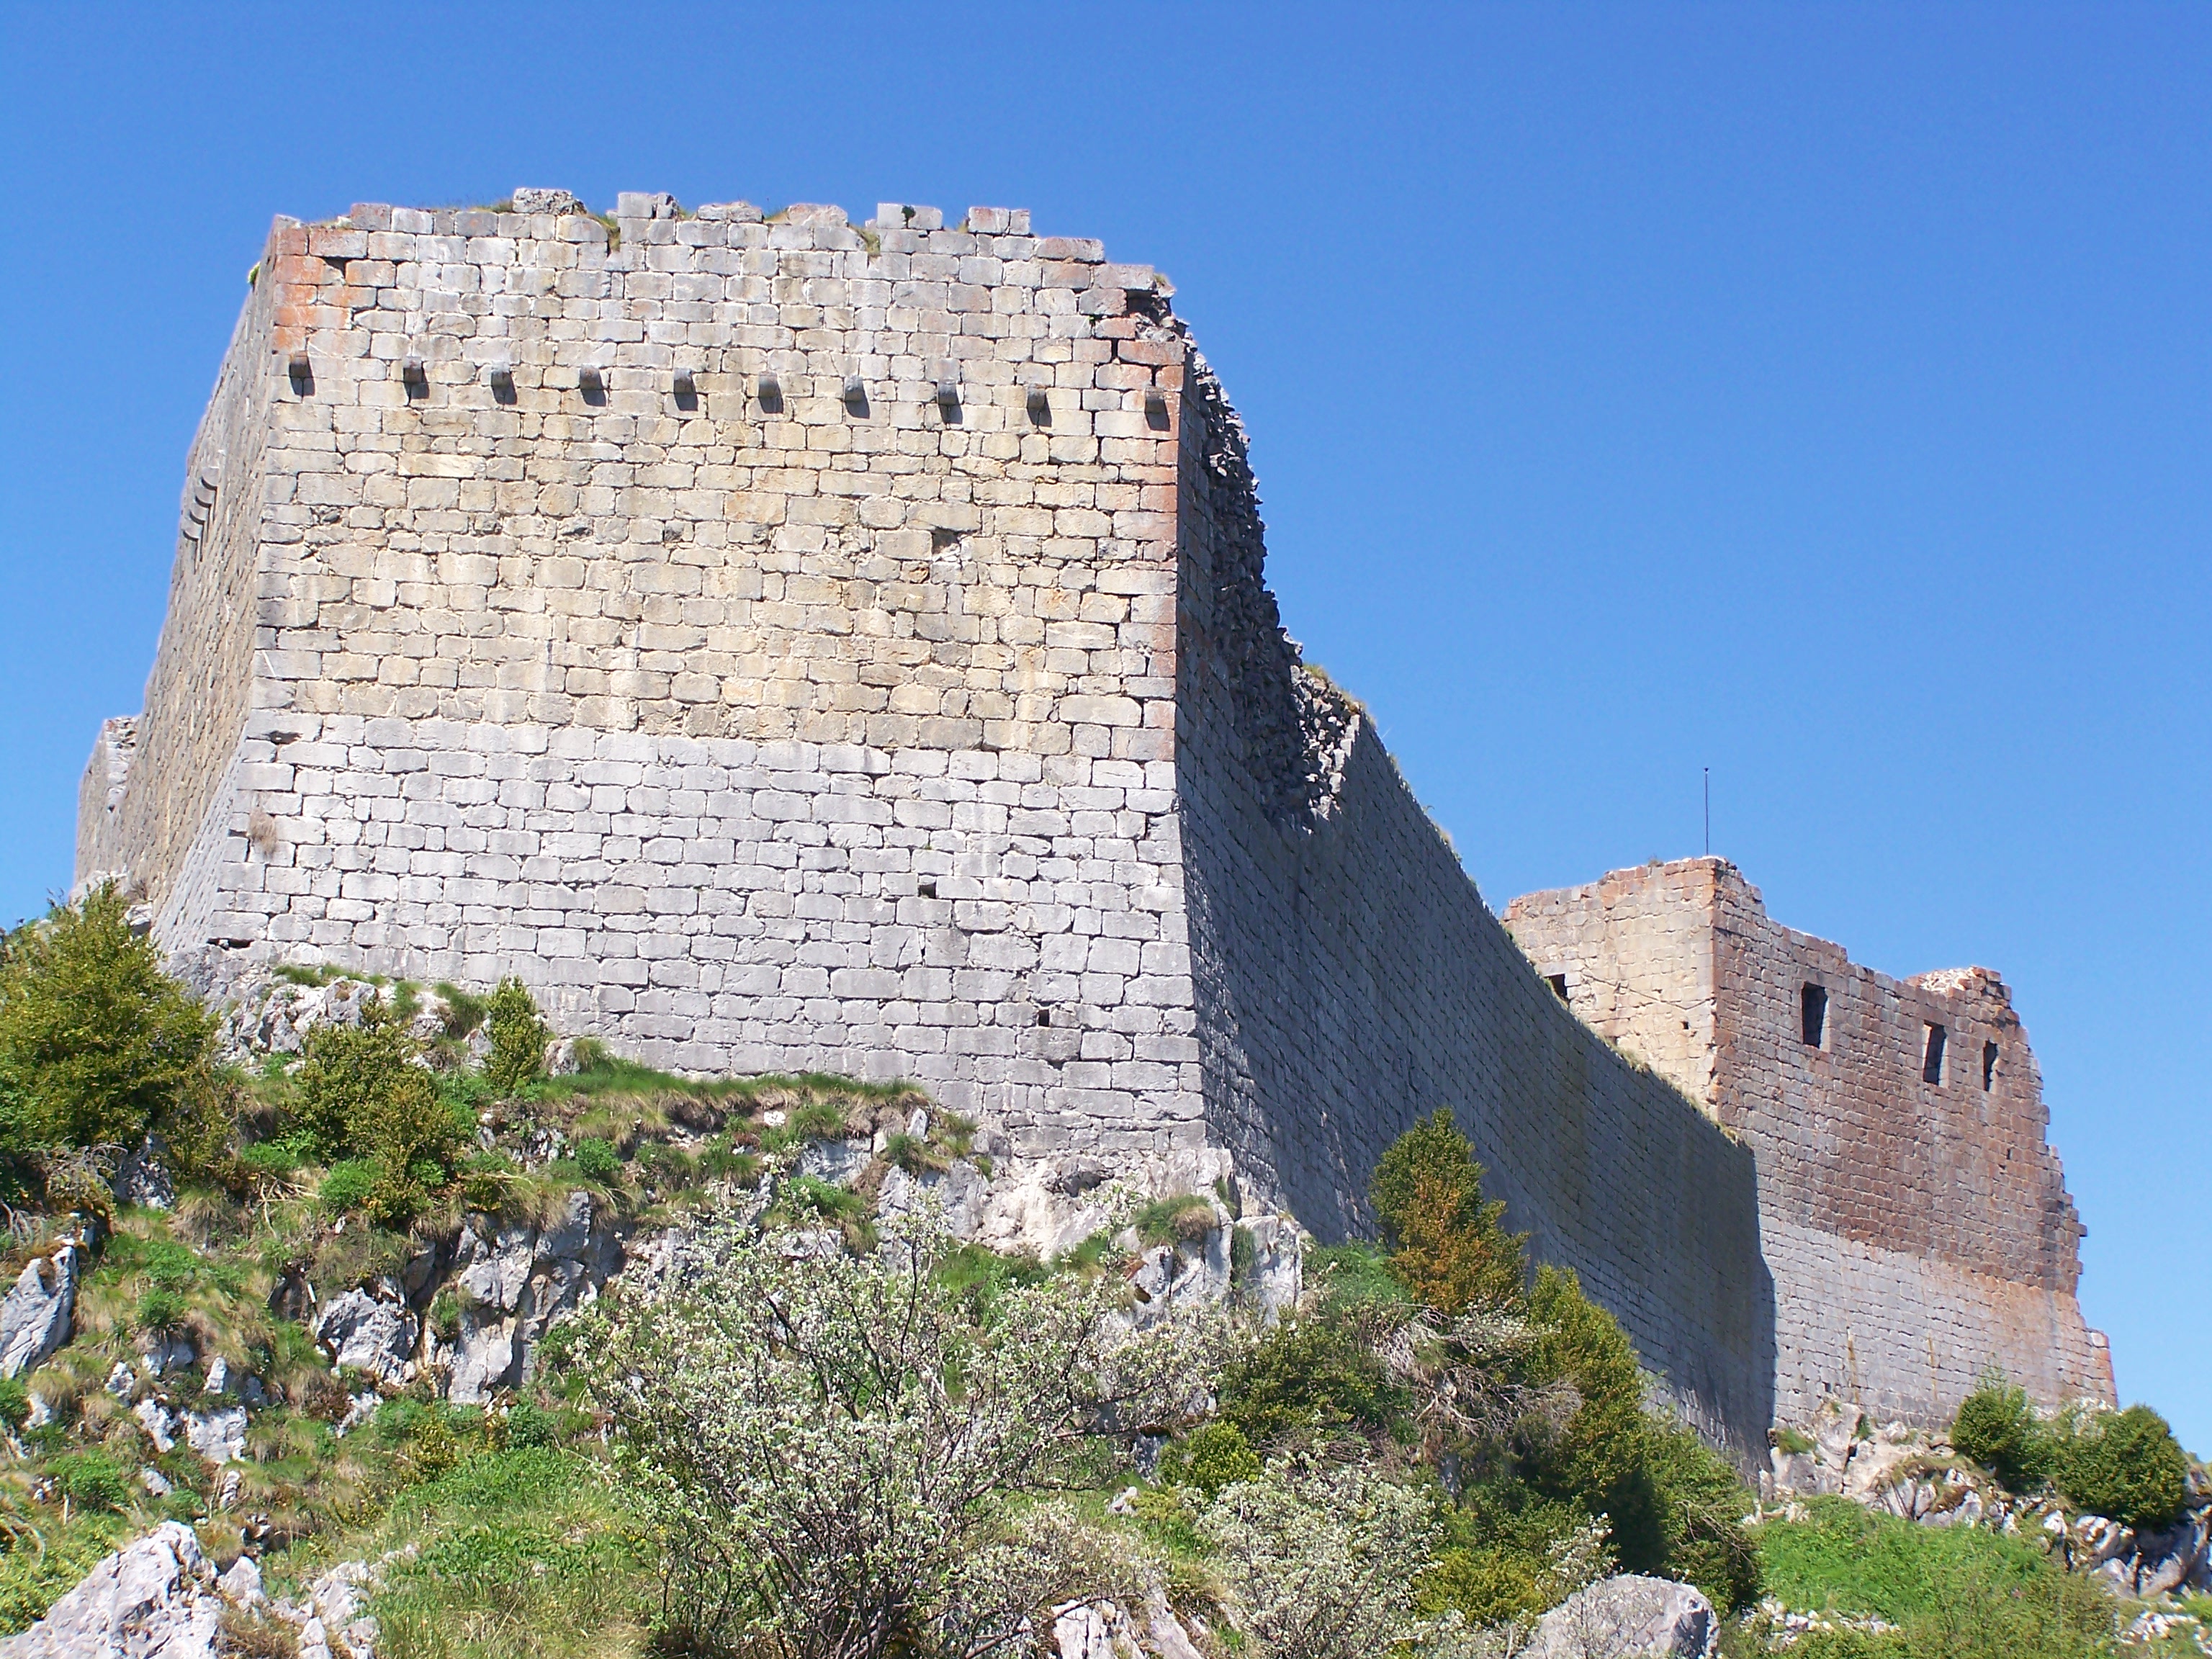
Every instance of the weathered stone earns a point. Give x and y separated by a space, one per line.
359 1331
35 1321
161 1425
153 1599
217 1436
837 1162
528 200
1629 1616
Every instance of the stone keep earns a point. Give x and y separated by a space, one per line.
1916 1223
794 645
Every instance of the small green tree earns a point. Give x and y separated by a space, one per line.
2126 1466
1448 1246
96 1042
517 1037
363 1094
1996 1427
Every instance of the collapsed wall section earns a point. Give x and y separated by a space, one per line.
1349 979
1914 1216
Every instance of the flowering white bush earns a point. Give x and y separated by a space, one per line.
827 1444
1322 1559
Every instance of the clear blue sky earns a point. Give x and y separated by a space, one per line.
1817 394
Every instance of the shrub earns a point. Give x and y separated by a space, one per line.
347 1071
1323 1558
787 1429
349 1184
1217 1455
90 1480
517 1037
531 1424
2126 1466
1510 1557
598 1159
1603 1456
14 1402
1996 1428
1702 1504
97 1044
362 1097
1448 1246
1309 1375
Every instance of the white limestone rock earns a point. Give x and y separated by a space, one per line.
35 1321
217 1436
160 1425
961 1189
1629 1616
357 1329
153 1599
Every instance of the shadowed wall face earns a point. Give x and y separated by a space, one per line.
1348 979
1916 1220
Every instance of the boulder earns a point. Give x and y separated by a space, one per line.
153 1599
1628 1617
217 1436
356 1330
35 1321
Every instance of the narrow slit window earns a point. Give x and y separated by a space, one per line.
1931 1059
1813 1010
1989 1066
1558 984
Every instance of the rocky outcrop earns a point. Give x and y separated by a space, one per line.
35 1321
514 1279
1900 1470
1629 1616
160 1597
362 1331
153 1599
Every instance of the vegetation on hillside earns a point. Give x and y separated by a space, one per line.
844 1433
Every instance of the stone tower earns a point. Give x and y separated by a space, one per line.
1916 1223
791 644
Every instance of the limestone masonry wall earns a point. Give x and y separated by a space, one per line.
1915 1219
791 644
1349 978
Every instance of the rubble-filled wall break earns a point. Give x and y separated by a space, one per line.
1915 1219
791 644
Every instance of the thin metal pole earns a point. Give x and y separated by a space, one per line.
1709 811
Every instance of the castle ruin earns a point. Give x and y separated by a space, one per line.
797 646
